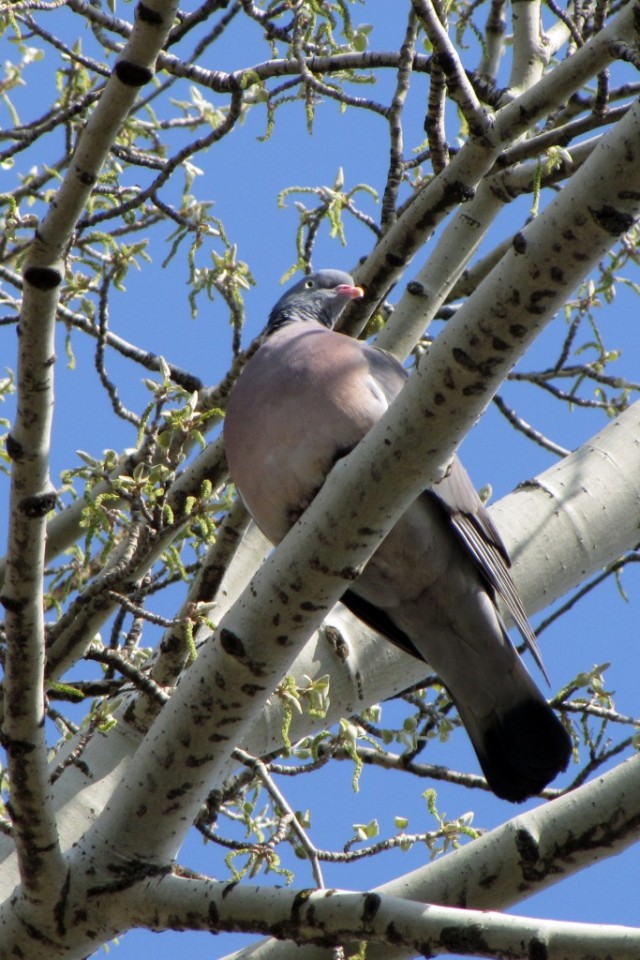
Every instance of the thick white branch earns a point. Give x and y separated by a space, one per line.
134 67
459 180
518 858
434 281
382 920
530 54
32 498
587 506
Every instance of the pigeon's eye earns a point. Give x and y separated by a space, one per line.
309 284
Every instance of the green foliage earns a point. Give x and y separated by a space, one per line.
313 697
334 202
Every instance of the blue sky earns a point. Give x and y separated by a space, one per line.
243 178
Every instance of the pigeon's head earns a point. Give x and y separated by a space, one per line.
320 296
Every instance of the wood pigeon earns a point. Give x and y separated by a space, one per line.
305 399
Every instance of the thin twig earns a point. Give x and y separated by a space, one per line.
394 116
523 427
280 800
460 87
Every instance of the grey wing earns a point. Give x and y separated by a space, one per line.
469 518
475 528
388 373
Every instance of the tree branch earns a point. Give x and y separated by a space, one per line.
524 855
389 922
434 282
32 497
446 57
458 182
530 53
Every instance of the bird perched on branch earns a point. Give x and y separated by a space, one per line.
304 400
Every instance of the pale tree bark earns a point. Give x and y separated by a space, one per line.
390 926
521 857
457 184
127 808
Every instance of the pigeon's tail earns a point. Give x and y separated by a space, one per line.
521 748
520 742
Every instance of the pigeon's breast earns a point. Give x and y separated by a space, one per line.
298 406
